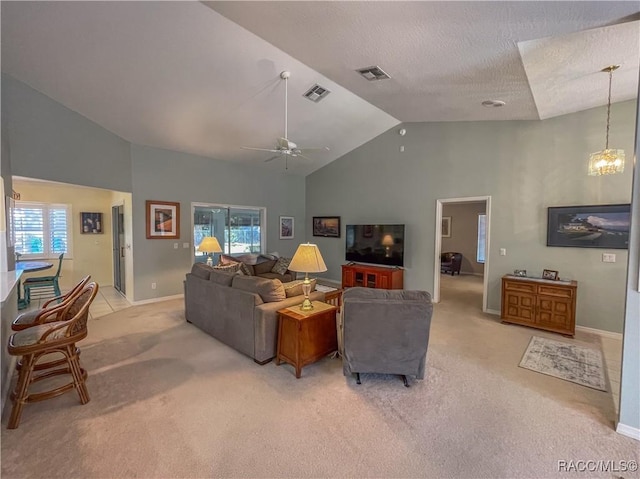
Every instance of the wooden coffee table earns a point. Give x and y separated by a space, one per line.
304 337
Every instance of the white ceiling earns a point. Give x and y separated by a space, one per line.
203 78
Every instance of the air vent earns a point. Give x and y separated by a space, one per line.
316 93
373 73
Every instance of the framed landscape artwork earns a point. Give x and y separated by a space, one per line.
163 219
598 226
446 226
328 226
286 227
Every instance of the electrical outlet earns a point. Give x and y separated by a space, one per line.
608 258
153 285
503 251
185 245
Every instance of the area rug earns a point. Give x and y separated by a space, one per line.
578 364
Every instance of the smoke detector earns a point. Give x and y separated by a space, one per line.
493 103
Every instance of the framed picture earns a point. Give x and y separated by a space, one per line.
10 208
446 226
286 227
90 223
367 231
549 274
603 226
328 226
163 219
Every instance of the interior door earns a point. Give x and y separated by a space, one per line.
117 220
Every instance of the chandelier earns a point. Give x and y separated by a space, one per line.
608 161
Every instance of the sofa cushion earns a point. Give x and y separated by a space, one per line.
270 290
226 259
201 270
294 288
281 266
221 277
264 267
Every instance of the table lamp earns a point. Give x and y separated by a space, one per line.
387 242
209 244
307 260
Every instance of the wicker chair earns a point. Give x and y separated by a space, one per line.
46 283
38 316
59 337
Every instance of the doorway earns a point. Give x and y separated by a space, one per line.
447 228
117 220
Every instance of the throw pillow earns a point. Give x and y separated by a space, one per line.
281 266
226 259
294 288
263 267
270 290
201 270
246 269
220 277
229 268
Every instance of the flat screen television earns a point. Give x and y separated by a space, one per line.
375 244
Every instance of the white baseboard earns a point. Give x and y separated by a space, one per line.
632 432
600 332
157 300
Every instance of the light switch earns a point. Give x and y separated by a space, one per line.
503 251
608 258
175 245
185 245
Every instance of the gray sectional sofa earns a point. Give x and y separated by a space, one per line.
240 310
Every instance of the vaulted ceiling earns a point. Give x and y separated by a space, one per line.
203 77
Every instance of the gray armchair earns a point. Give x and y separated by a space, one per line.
385 331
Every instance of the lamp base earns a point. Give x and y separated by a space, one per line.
306 289
209 261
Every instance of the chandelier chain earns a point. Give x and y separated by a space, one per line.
608 109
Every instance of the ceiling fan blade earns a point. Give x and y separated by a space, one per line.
259 149
272 158
300 155
325 148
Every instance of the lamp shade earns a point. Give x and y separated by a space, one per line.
307 259
387 240
209 244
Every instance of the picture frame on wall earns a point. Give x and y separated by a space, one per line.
327 226
163 219
592 226
91 223
446 226
286 227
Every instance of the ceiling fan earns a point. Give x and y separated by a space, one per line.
285 147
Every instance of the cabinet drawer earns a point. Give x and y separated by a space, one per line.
520 286
559 292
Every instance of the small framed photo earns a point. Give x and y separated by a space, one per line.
163 220
549 274
286 227
90 223
328 226
446 226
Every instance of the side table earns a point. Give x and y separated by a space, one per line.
304 337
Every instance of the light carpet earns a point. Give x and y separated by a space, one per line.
571 362
169 401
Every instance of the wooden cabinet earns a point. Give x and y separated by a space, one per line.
372 277
540 303
306 336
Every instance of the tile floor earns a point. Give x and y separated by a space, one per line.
107 301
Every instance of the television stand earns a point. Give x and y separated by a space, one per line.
367 276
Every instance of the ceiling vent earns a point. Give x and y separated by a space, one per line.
373 73
316 93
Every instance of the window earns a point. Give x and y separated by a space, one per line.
238 229
42 230
482 238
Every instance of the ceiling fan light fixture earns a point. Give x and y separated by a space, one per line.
609 161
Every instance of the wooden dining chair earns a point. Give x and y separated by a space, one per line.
44 314
46 283
55 338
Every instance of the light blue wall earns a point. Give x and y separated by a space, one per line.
525 166
165 175
49 141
